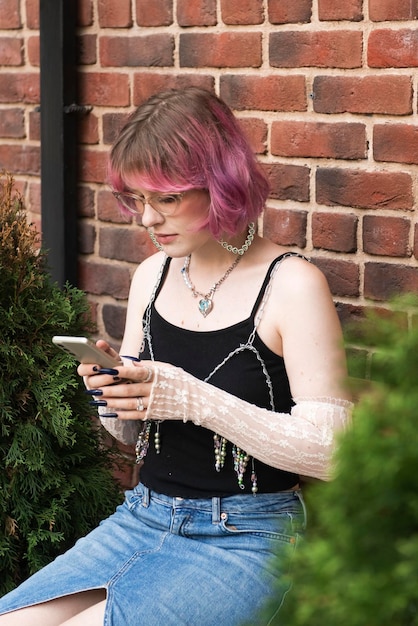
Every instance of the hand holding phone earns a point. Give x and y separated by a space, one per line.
85 350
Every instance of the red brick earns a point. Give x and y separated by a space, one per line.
196 13
112 124
288 182
88 129
108 210
86 237
371 94
104 278
366 190
114 13
104 89
20 159
124 244
349 314
155 13
392 10
85 13
12 123
264 93
383 281
316 49
289 11
226 49
93 166
343 140
395 142
343 276
285 227
10 14
416 241
34 197
146 84
114 318
386 236
11 51
85 201
35 125
146 51
242 11
351 10
393 48
21 187
335 231
20 87
33 51
256 132
86 49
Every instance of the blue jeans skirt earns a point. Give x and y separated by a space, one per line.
178 562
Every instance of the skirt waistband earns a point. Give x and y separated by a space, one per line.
265 502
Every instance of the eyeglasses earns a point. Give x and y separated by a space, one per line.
166 204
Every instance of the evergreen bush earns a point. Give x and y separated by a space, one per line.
358 565
56 477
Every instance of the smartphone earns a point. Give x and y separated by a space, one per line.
85 350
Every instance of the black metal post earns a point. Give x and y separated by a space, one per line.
59 138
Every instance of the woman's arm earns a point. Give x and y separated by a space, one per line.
301 312
301 320
127 431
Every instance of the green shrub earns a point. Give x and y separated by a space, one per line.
359 563
56 478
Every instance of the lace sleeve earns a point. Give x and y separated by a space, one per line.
125 431
301 441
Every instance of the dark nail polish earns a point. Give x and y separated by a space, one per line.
98 403
108 415
108 370
132 358
94 392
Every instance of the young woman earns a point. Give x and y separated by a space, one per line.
239 391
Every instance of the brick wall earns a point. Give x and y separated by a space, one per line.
326 90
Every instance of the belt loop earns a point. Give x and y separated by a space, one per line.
146 497
216 510
298 493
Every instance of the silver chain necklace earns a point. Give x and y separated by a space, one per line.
205 304
206 299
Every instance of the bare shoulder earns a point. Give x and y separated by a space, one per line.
297 276
145 276
149 268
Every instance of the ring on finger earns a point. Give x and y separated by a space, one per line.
149 375
139 404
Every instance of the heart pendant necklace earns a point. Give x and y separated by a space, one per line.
205 304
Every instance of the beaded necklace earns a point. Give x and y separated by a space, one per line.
206 301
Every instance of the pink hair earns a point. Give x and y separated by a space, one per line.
189 139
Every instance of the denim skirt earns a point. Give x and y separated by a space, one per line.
175 562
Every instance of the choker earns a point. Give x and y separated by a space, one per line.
247 243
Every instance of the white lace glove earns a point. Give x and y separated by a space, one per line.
125 431
301 441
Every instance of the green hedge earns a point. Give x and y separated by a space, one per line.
358 565
56 477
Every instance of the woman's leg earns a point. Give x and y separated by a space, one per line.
61 611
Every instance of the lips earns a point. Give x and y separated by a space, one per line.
164 239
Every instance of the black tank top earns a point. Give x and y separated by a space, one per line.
234 359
